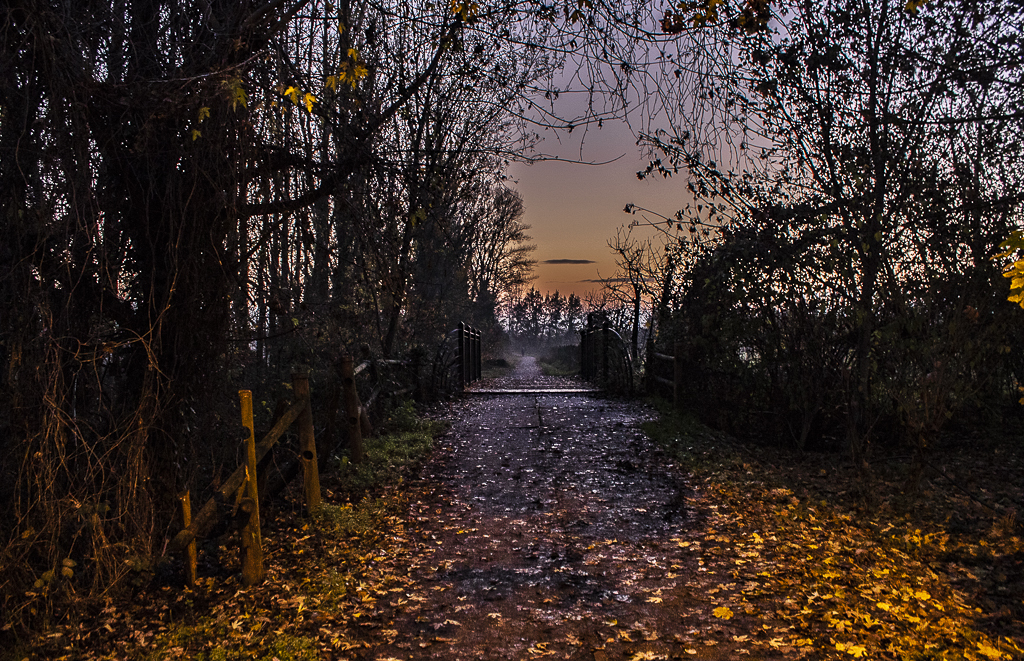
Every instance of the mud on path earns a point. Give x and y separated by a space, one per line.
549 525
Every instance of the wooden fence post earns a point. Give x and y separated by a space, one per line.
252 542
677 375
583 356
414 367
307 444
606 332
590 353
352 409
191 557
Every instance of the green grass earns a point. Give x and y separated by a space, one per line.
402 443
560 361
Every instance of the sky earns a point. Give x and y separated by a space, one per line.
575 209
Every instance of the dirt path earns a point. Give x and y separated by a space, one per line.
549 525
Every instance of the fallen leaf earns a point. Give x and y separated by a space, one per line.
989 652
723 613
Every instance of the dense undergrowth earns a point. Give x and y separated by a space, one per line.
320 569
828 562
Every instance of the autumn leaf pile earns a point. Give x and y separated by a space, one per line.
785 556
829 572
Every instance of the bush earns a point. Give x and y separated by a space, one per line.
560 361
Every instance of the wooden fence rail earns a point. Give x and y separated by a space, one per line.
470 354
605 357
239 493
677 363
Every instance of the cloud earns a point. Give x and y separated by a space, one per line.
568 261
614 280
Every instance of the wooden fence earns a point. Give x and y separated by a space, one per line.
238 496
658 361
605 358
458 362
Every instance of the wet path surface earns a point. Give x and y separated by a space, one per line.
549 525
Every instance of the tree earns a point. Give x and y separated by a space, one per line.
876 145
198 194
636 269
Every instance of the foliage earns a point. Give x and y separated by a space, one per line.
836 287
534 320
560 360
247 189
1015 270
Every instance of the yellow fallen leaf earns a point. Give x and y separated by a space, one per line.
884 606
922 595
989 652
723 613
647 656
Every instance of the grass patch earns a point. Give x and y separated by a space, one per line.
402 443
560 361
494 368
248 640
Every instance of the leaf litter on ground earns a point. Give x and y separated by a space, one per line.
790 556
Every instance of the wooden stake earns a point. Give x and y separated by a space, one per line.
191 557
352 409
252 542
307 444
208 514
